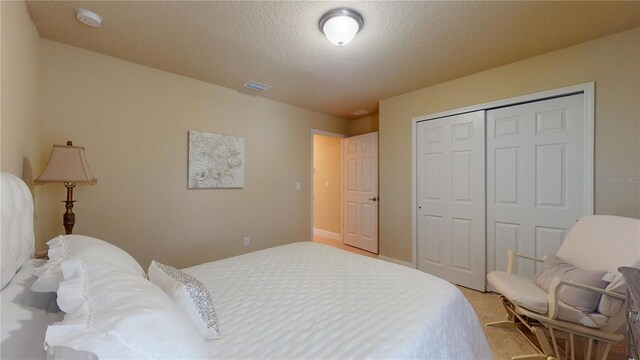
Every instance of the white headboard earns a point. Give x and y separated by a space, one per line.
16 228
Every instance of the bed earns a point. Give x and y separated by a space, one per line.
297 301
307 300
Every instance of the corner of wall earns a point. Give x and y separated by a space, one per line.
363 125
20 94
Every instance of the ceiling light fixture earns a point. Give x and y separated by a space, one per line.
88 17
341 25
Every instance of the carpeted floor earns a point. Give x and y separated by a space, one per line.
506 343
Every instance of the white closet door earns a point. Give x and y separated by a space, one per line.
534 178
451 198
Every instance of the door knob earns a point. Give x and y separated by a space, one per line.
373 199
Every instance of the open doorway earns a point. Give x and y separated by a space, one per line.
327 190
327 187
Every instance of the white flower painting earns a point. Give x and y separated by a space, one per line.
215 161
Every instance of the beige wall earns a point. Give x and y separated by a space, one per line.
613 62
327 164
20 71
133 121
363 125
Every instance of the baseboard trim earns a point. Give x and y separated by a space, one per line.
327 234
396 261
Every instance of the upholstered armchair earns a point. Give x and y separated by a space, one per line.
596 242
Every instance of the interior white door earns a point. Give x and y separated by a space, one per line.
535 162
451 198
361 191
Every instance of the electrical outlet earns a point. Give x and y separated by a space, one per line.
247 241
298 186
326 183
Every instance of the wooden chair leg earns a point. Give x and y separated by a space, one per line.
543 340
555 343
606 351
504 324
529 357
589 349
573 349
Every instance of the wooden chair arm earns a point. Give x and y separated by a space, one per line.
555 284
512 260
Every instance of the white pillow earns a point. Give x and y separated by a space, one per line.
16 233
118 315
70 247
190 295
580 299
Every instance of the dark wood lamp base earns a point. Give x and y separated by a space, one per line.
69 218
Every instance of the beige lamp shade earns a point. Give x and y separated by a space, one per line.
67 164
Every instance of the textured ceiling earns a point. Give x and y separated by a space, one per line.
403 46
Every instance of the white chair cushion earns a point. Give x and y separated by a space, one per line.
593 241
525 293
595 236
520 291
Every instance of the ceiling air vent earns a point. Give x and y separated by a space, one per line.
252 85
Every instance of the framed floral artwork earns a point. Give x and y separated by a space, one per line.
215 161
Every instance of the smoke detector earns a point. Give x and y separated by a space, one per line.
88 17
253 85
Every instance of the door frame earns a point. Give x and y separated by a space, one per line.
335 135
588 89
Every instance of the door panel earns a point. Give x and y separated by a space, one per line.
430 245
535 178
361 191
451 198
461 240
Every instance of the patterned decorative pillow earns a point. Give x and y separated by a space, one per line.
190 295
583 300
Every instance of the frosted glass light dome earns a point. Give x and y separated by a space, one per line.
341 25
340 30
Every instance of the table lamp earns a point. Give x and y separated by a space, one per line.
67 165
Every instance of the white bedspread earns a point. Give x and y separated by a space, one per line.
308 300
23 329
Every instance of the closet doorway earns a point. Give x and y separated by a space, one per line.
509 175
